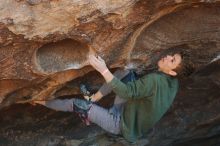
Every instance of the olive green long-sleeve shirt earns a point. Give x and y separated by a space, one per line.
148 99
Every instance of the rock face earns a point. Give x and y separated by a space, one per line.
44 46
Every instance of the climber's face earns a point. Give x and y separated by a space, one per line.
168 63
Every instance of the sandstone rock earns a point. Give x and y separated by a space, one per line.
44 46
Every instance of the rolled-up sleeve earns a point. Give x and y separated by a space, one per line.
144 87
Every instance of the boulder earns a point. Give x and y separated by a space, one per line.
45 44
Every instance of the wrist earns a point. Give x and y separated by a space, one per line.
104 71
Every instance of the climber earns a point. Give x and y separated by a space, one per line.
139 103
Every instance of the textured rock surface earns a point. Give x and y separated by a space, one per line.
44 45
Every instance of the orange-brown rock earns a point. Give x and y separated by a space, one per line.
44 44
43 38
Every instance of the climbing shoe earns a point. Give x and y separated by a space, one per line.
81 108
84 89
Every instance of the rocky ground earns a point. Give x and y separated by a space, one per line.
28 125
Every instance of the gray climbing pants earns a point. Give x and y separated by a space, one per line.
108 119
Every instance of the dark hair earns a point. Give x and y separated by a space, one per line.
185 68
